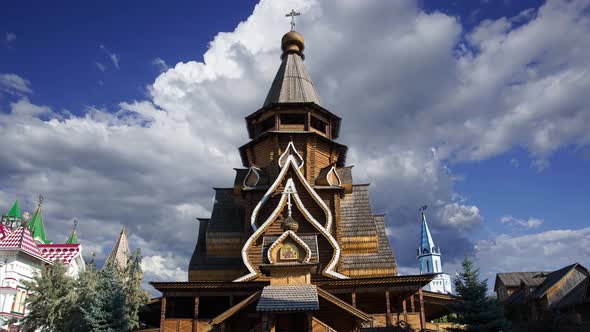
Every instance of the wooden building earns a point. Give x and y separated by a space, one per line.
294 245
546 301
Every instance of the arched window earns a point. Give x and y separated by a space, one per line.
427 266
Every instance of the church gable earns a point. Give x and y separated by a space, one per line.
290 161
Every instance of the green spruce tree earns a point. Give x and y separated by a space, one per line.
51 301
106 311
475 310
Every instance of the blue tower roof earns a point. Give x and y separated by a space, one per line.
426 242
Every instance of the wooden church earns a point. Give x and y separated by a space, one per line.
293 245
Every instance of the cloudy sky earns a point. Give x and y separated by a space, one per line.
128 114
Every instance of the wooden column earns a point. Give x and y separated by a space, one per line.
196 315
273 323
162 312
405 311
309 316
422 313
388 309
265 326
412 307
353 300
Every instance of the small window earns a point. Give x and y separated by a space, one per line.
267 124
293 119
427 266
318 124
18 305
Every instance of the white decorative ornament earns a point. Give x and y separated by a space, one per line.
324 230
252 171
290 148
333 171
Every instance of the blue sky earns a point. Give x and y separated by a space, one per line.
63 41
474 107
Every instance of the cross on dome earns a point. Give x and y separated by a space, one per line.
292 14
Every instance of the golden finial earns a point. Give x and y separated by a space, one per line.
292 41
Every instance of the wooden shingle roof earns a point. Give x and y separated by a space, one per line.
513 279
356 215
288 298
227 215
565 284
292 84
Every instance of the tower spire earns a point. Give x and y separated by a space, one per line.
73 239
14 212
292 83
426 242
429 259
120 253
36 225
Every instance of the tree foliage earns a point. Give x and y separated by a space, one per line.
107 300
475 310
52 299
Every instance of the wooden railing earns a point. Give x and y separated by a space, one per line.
319 326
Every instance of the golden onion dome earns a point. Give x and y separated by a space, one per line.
290 224
292 42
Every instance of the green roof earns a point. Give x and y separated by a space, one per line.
14 211
37 228
73 239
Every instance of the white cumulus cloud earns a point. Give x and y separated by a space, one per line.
425 85
526 223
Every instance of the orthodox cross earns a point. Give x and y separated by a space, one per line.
289 204
75 223
41 199
292 14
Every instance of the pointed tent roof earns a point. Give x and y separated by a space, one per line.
120 253
14 211
292 84
37 227
426 241
73 239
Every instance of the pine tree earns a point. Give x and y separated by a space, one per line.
476 311
135 295
51 301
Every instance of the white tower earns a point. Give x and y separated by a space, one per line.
429 259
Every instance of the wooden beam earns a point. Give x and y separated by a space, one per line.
162 313
422 313
388 309
353 298
265 326
412 306
273 323
309 316
196 315
405 311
